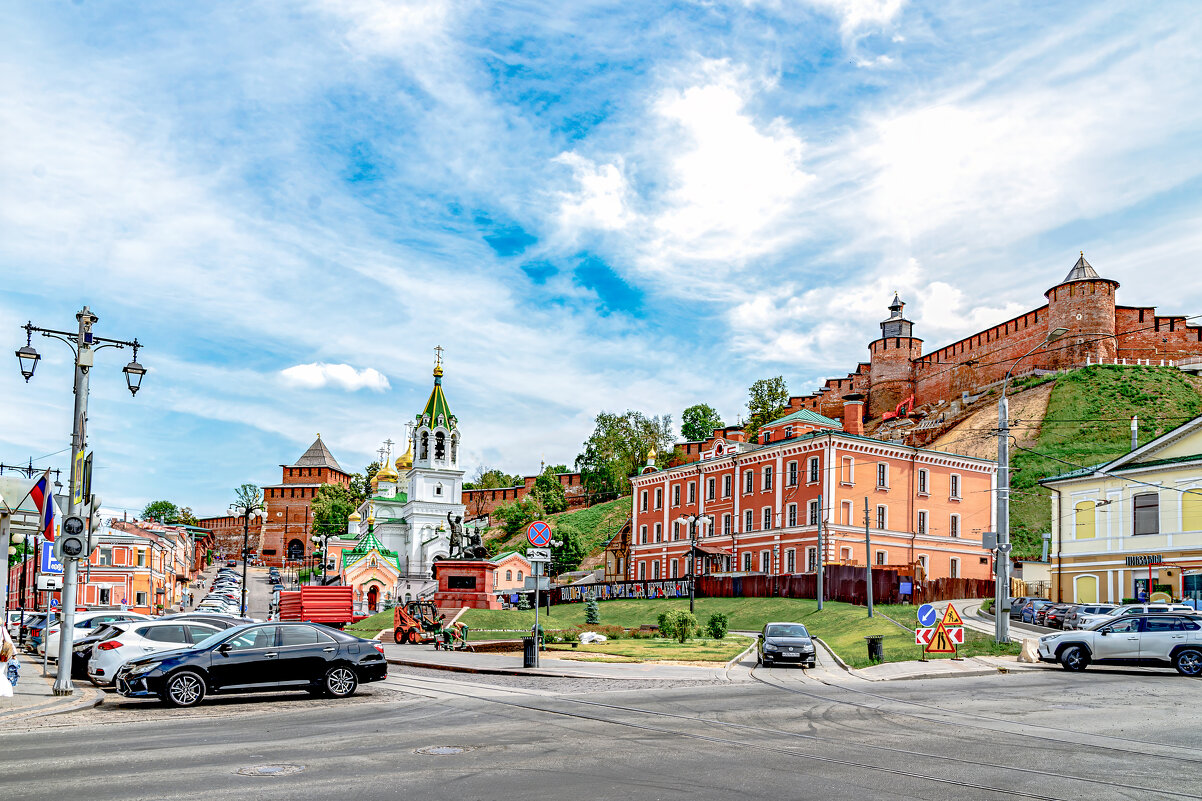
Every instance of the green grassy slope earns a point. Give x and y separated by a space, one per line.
1087 423
598 524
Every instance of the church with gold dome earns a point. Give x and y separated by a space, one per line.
402 528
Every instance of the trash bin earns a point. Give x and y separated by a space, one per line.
529 654
876 647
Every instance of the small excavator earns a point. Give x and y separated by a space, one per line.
419 623
907 405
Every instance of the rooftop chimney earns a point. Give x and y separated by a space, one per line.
853 414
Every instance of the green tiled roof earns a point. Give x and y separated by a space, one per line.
437 411
366 545
1087 471
804 416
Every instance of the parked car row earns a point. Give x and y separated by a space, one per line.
225 594
1148 639
1069 616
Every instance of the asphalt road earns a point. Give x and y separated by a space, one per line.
1105 733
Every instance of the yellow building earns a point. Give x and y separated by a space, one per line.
1131 525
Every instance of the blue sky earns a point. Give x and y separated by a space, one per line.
588 205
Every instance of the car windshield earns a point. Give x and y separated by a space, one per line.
789 630
213 639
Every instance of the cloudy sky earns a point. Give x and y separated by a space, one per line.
590 205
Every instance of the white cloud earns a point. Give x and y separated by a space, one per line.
855 15
319 374
600 201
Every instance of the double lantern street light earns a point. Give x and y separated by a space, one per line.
246 510
693 521
83 344
319 546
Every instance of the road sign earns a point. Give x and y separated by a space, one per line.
53 603
951 617
941 641
927 615
77 478
49 563
539 534
544 583
538 555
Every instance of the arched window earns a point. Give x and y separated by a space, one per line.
440 445
509 575
519 575
425 445
454 448
296 550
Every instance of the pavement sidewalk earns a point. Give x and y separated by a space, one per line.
34 697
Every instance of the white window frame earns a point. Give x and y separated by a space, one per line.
643 501
813 471
924 481
656 569
766 562
726 525
848 462
922 525
791 560
925 561
726 483
848 513
953 568
642 535
953 525
812 559
659 532
845 554
692 492
766 517
659 498
672 569
882 557
711 487
767 477
748 482
882 516
813 514
642 570
792 518
955 486
791 473
749 520
882 475
747 558
676 495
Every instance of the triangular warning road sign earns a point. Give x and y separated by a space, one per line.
941 643
951 617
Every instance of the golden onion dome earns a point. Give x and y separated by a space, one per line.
355 517
405 460
386 473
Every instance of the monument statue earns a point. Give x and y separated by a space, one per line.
465 544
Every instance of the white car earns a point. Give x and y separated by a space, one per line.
1152 640
85 623
139 639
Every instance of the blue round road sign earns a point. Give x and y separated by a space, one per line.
927 615
539 534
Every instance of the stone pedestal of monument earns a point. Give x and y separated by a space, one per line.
465 582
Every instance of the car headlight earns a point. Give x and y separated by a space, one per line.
138 670
1048 637
769 647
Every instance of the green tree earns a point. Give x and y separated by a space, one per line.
549 492
332 505
186 516
618 449
516 516
678 625
248 496
571 553
492 478
767 400
699 421
592 612
162 511
361 483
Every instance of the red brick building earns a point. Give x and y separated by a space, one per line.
287 522
1099 331
769 499
227 534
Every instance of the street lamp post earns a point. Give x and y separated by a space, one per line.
692 521
322 541
246 509
83 344
1001 588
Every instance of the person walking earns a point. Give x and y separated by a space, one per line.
10 669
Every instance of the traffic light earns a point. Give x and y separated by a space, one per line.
72 541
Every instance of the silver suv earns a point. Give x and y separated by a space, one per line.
1156 640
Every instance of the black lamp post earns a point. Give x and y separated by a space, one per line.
692 521
246 512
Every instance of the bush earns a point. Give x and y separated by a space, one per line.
679 625
716 626
592 612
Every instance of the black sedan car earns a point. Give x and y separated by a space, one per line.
82 648
785 642
254 658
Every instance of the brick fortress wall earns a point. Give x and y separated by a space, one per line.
480 502
1098 331
228 532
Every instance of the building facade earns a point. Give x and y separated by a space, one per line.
141 566
1131 525
768 501
287 526
1099 332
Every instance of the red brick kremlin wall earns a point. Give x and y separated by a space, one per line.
1099 331
228 532
481 502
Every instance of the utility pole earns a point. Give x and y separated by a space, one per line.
821 567
868 554
84 345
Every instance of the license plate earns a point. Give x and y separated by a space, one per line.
790 653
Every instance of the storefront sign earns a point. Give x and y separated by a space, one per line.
1145 559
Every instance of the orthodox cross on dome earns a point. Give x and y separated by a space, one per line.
388 443
382 453
438 355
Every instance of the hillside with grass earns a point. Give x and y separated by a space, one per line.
597 525
1077 419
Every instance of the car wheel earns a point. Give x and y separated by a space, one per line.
184 689
1188 662
400 636
1074 658
341 682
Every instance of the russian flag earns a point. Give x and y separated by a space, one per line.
43 499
